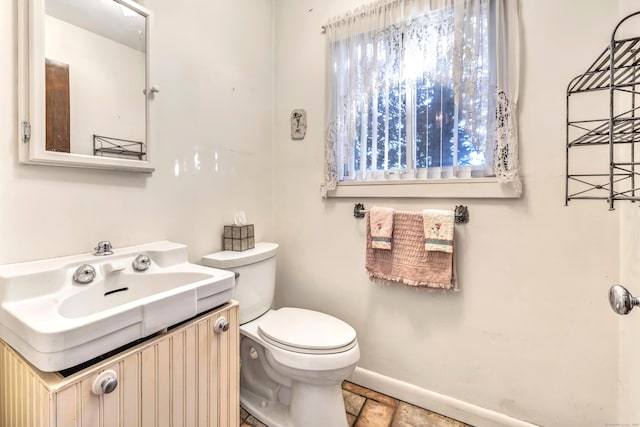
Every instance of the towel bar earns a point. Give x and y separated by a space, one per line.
461 213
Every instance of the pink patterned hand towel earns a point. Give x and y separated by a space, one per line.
438 230
408 262
381 222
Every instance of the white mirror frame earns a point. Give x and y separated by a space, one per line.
31 96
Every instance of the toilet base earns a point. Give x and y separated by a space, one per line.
273 414
311 406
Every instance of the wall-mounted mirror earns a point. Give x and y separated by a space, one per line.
84 83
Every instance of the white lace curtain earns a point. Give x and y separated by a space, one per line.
391 43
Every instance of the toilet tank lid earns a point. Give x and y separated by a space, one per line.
231 259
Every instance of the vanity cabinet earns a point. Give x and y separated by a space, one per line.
187 376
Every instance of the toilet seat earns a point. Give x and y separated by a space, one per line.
306 331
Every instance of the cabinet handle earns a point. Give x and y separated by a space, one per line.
108 385
221 325
105 383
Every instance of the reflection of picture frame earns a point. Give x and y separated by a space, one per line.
298 124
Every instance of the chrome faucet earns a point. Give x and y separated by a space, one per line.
103 248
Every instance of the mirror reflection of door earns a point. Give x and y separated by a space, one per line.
57 106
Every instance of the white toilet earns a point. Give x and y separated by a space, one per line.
293 360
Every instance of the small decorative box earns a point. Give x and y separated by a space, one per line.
239 237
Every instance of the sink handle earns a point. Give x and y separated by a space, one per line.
621 300
141 263
84 274
105 383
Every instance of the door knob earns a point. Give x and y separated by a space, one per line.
621 300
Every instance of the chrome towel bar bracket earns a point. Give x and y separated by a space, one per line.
461 213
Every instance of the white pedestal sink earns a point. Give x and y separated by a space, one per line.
56 323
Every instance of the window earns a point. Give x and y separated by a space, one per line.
422 96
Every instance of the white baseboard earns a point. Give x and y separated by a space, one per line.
441 404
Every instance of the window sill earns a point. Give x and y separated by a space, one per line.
476 188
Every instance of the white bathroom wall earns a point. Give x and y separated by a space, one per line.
530 335
210 140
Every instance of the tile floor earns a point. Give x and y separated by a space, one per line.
367 408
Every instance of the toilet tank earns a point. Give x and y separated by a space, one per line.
255 277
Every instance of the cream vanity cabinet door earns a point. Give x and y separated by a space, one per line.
187 377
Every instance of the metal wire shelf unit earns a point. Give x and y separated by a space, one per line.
616 74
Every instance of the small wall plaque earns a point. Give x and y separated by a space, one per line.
298 124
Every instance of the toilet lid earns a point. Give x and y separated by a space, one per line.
306 331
